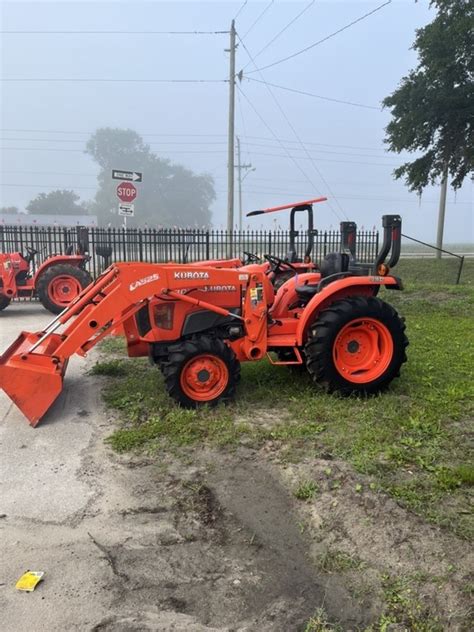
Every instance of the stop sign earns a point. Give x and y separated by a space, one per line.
126 192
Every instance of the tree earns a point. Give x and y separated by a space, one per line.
170 194
8 210
56 203
433 107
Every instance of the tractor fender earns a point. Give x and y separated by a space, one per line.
351 286
286 294
72 260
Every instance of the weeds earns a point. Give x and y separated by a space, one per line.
306 490
402 607
112 368
319 623
338 562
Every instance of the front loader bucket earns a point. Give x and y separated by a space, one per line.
32 380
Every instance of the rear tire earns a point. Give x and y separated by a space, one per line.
357 345
4 302
201 371
60 284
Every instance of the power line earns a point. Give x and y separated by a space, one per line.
47 186
321 151
291 126
108 80
311 158
288 155
62 187
241 111
266 138
145 134
268 191
172 151
221 151
287 140
324 39
258 18
282 31
277 192
113 32
49 131
316 96
52 173
82 140
64 149
240 10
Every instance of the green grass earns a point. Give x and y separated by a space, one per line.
319 623
414 441
112 368
306 490
434 271
113 344
402 608
333 561
405 608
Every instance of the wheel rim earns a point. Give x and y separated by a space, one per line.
63 289
204 378
363 350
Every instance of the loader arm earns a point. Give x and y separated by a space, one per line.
32 369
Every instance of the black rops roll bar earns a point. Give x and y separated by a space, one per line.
392 236
292 255
348 238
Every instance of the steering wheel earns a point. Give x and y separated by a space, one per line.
31 251
277 263
251 258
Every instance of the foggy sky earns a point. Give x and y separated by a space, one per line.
188 122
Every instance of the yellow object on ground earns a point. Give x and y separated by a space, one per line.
29 580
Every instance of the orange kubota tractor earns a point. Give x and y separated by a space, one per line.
198 323
56 282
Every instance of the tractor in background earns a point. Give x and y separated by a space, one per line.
58 280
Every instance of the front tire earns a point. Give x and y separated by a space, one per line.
4 302
200 371
356 345
60 284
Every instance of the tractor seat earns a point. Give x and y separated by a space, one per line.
306 292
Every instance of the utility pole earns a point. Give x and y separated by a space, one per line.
230 147
442 211
239 168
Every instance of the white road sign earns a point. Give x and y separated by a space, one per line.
126 209
130 176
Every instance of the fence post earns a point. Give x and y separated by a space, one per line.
208 254
461 263
140 244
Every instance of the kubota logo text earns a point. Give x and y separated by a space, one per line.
139 282
191 275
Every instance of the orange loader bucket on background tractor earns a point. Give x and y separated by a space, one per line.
32 380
